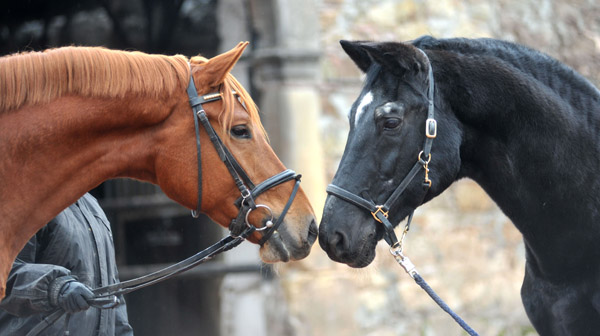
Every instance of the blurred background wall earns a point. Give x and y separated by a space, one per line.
463 245
304 84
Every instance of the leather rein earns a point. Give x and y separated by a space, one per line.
380 212
240 228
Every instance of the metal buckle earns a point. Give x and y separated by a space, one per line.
379 209
431 128
245 194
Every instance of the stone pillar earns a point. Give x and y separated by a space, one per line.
282 63
286 77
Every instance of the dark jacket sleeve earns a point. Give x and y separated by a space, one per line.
29 284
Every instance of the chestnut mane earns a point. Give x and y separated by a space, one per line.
40 77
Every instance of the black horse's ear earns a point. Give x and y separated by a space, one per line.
357 53
398 58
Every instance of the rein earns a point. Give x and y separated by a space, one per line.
380 212
240 228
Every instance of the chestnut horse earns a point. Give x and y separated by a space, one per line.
73 117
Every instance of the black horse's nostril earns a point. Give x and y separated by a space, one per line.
339 244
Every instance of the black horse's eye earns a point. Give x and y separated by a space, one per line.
391 123
240 131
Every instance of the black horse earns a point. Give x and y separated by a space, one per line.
522 125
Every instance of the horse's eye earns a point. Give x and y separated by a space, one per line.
391 123
240 131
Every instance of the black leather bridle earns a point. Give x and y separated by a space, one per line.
380 212
248 191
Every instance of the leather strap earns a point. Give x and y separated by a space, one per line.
128 286
351 198
196 106
273 229
238 224
402 186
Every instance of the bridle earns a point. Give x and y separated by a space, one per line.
248 191
380 212
240 228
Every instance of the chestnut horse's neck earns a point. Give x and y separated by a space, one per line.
54 153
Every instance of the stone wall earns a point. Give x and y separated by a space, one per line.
463 245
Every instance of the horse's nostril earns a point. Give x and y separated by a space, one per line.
339 244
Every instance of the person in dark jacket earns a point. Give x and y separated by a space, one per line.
57 268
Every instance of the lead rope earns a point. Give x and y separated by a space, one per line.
396 249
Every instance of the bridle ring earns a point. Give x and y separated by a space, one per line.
428 158
268 224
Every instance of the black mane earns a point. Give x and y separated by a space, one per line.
558 77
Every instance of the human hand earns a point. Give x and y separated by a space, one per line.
74 297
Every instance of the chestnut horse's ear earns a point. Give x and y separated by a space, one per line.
357 54
215 70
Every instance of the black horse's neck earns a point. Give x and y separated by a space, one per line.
531 141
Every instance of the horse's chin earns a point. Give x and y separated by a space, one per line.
350 245
284 245
270 255
276 250
364 260
361 258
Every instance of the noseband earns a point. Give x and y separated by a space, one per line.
248 191
380 212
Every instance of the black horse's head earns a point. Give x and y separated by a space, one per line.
387 133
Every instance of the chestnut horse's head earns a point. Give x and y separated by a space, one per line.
235 120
